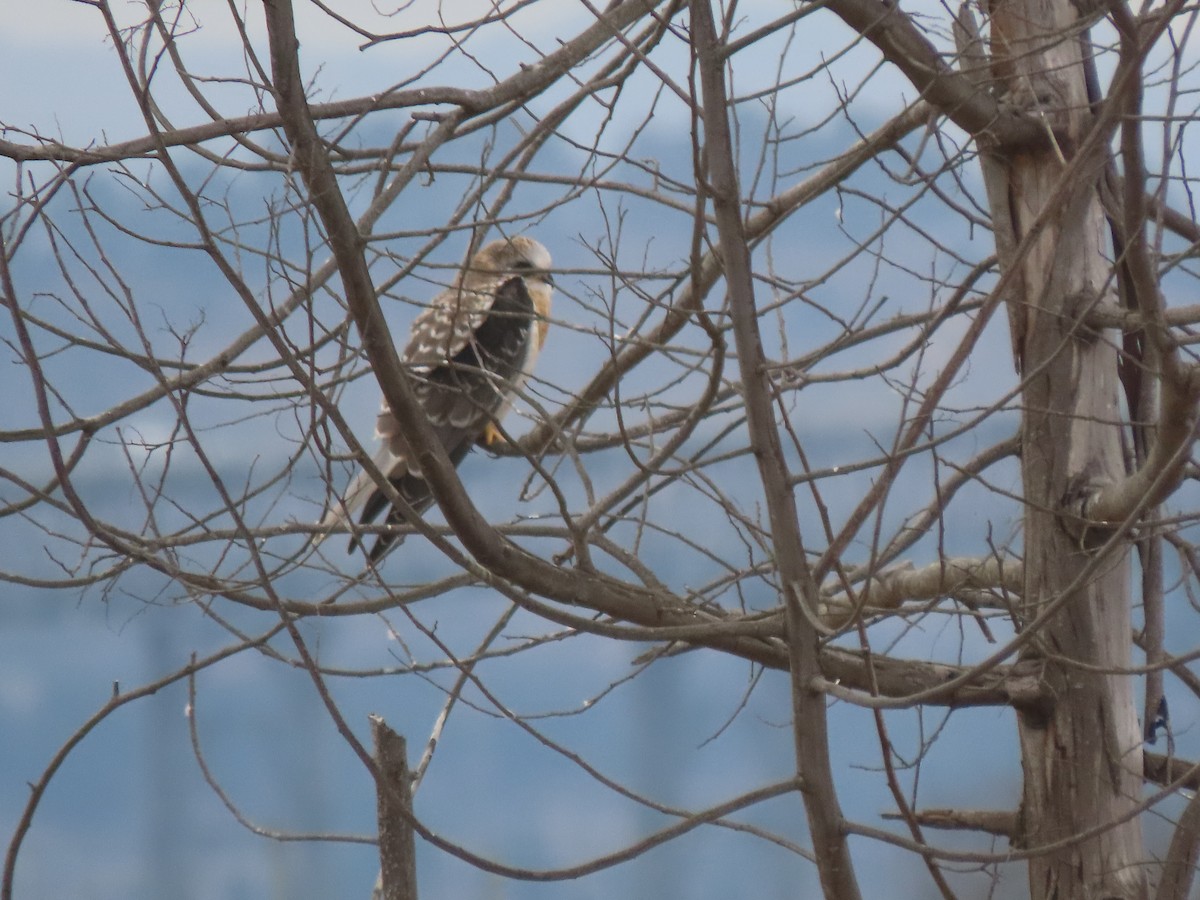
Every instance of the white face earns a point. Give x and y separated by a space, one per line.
538 283
537 255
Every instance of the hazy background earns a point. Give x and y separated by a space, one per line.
129 814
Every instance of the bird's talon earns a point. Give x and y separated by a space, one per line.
491 436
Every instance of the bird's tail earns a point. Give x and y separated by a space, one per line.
346 509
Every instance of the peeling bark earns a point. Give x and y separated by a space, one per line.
1083 759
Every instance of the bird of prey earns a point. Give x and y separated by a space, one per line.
469 355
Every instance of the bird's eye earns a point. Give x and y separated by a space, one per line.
522 265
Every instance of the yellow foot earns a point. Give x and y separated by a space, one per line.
491 436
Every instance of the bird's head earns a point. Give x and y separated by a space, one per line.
521 256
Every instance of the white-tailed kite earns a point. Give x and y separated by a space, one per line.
469 354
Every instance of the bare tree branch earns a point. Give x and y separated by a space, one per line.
397 851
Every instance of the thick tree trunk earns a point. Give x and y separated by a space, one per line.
1082 756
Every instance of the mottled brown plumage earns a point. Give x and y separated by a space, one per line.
470 353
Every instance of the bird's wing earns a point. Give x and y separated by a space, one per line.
444 329
464 392
467 355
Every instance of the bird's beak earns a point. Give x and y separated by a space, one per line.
547 278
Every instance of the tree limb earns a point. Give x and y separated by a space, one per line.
994 821
808 705
397 849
